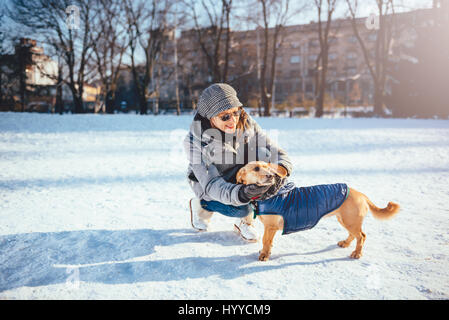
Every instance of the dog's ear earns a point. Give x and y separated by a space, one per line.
280 170
241 175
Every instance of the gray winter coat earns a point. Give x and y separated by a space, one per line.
215 157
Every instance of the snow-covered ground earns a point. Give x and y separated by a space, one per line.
96 207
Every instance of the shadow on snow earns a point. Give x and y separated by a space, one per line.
102 256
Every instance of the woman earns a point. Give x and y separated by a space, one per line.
222 139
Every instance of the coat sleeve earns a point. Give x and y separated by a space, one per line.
278 155
215 186
212 183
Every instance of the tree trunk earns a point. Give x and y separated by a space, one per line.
59 108
322 85
143 104
22 87
110 101
59 104
1 91
378 100
78 104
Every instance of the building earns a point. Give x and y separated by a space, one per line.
349 82
42 71
30 80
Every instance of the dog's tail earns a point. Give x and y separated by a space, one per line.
385 213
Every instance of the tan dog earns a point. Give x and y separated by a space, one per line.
350 214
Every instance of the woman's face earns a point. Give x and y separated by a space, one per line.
227 120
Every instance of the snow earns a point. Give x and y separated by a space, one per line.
96 207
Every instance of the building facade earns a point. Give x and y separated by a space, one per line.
349 82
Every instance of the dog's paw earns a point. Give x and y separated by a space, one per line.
356 255
264 256
343 244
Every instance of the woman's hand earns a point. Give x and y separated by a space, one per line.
252 191
274 189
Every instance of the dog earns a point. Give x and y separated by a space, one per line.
350 212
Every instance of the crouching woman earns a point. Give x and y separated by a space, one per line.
222 139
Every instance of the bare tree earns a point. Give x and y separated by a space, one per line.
109 45
277 12
13 64
377 65
213 35
2 53
323 58
147 33
50 18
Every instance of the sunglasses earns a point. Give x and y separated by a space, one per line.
227 116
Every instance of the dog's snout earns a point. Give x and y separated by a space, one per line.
269 176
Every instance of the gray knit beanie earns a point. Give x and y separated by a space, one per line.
217 98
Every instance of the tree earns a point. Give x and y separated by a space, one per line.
65 26
13 65
2 54
384 23
277 12
109 45
323 57
213 36
8 74
147 34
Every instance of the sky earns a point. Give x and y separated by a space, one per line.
366 7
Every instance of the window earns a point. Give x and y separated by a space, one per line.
295 59
278 59
309 87
332 56
313 57
351 71
352 39
332 40
332 72
294 44
294 74
351 55
314 43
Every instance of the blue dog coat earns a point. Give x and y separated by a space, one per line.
303 207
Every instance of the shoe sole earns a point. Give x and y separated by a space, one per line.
237 229
191 218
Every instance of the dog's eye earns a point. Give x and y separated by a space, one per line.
256 169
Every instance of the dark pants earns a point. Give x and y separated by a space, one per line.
227 210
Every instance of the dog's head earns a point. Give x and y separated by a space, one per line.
260 173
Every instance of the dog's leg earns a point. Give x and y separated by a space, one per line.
351 215
347 242
355 231
357 253
267 241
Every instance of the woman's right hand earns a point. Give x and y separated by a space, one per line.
252 191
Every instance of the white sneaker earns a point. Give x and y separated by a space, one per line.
199 217
247 231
